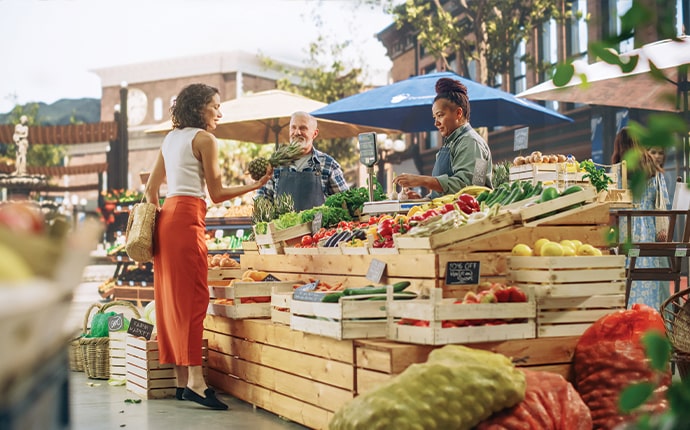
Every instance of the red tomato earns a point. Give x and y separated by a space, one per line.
307 240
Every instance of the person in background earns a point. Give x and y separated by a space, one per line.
188 160
659 155
311 178
651 293
465 158
21 139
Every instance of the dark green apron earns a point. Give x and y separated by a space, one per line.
304 187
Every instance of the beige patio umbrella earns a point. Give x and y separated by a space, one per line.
607 85
264 117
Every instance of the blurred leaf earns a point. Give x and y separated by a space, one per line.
635 395
563 74
628 63
658 350
637 15
679 397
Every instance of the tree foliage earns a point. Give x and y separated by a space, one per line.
488 32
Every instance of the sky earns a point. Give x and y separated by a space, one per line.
51 47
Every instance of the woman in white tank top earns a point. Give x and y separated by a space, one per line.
188 160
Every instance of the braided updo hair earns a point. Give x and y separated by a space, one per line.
455 92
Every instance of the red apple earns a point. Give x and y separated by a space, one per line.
21 217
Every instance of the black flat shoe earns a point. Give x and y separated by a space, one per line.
210 401
178 393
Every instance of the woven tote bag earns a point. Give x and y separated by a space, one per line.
139 234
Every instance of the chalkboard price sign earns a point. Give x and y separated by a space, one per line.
376 269
316 222
271 278
462 272
116 322
140 329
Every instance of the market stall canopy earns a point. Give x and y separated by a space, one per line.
264 117
607 85
406 105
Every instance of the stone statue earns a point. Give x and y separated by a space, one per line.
21 139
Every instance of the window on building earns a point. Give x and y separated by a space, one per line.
519 69
158 109
577 40
453 63
430 69
618 8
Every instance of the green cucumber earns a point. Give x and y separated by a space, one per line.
483 196
397 287
332 297
510 198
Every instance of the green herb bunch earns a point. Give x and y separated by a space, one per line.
597 175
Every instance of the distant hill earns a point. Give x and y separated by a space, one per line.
64 110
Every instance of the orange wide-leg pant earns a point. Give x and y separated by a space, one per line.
180 280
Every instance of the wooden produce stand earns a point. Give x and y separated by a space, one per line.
307 377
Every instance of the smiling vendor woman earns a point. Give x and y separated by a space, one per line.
465 158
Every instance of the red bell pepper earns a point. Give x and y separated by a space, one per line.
467 203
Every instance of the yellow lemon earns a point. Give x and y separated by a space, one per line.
538 244
587 249
552 249
568 244
576 242
521 250
569 251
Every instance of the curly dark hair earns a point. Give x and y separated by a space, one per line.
187 110
455 92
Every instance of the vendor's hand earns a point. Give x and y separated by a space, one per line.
410 194
407 180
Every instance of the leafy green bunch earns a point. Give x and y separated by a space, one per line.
597 175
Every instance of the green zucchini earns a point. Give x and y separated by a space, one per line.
332 297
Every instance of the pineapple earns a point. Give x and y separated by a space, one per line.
285 154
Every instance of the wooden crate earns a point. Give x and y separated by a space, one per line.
239 290
535 172
138 294
350 318
275 241
302 377
351 270
146 377
250 247
440 240
436 309
377 361
572 292
280 306
224 273
118 361
541 212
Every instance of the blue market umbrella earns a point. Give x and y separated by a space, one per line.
406 106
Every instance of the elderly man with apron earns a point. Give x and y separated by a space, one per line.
311 178
465 158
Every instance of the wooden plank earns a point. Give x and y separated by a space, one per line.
559 330
347 280
397 266
320 369
152 373
284 406
263 331
388 356
157 393
151 383
572 316
304 389
368 380
342 329
582 302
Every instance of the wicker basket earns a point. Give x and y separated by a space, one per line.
76 355
96 350
676 313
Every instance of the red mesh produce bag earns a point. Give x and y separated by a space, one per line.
550 403
609 356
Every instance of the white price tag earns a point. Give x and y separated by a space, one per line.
634 252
